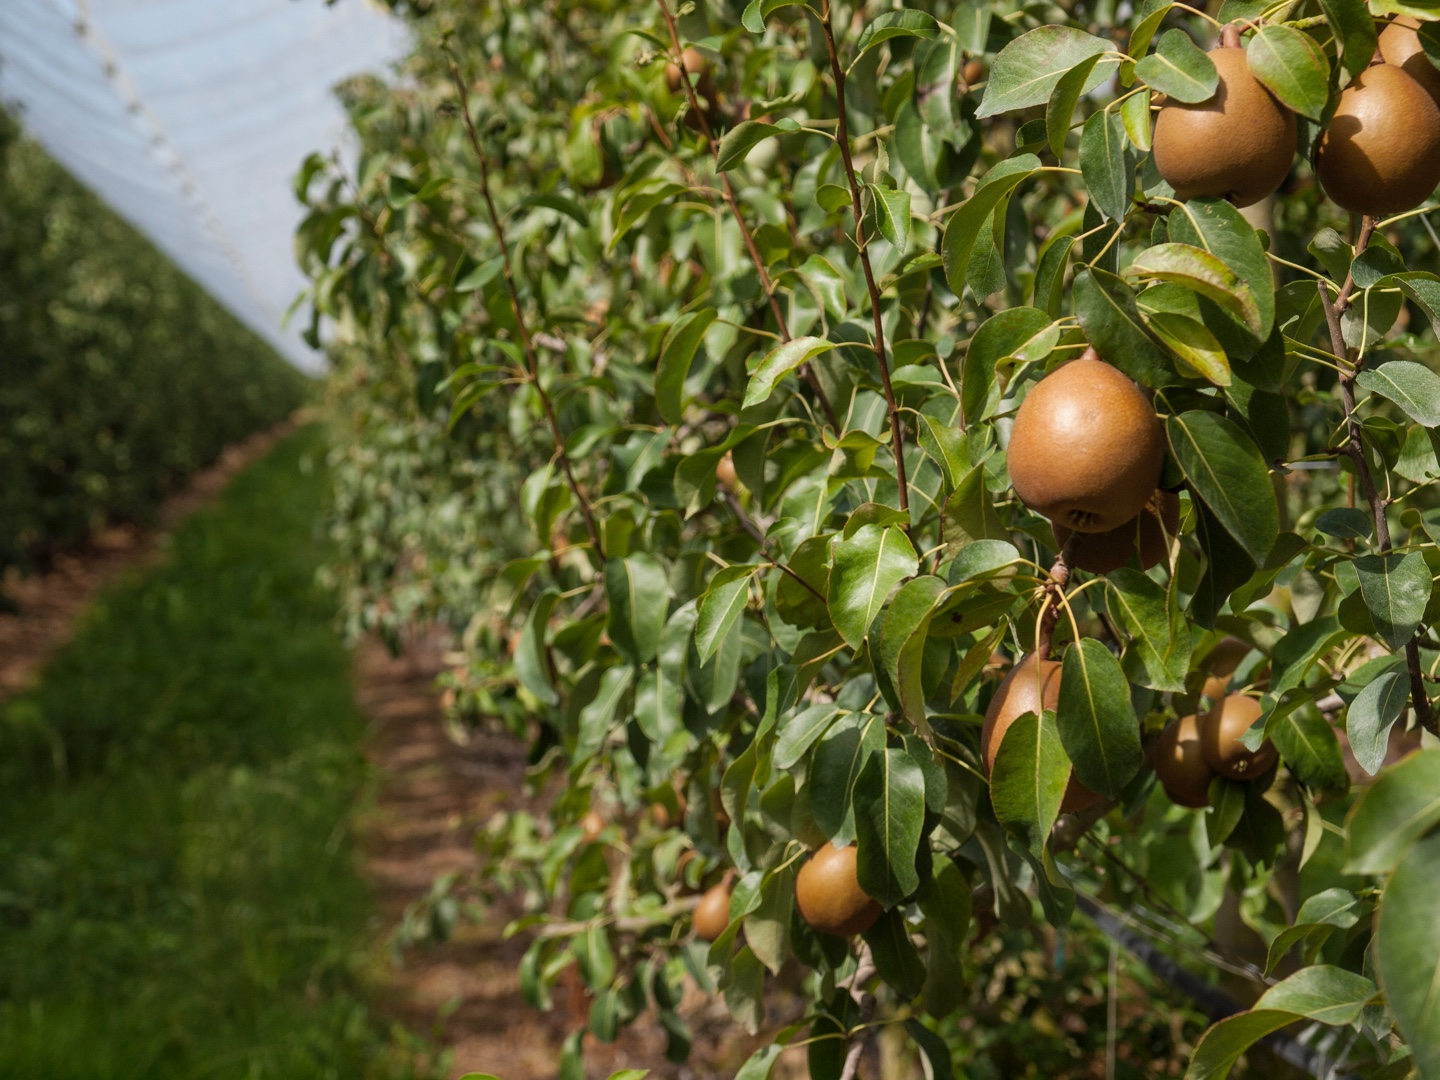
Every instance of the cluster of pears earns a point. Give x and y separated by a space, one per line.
827 892
1086 451
1195 749
1379 155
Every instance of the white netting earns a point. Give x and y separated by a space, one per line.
191 116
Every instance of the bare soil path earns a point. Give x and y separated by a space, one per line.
465 993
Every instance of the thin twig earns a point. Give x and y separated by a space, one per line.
1054 594
1355 448
842 137
531 361
864 972
758 534
766 282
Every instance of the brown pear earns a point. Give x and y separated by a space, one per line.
1236 145
712 914
1031 687
725 472
1220 731
829 894
1180 764
696 64
1220 663
1400 45
1086 448
1148 534
1381 153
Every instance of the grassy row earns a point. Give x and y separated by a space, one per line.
178 888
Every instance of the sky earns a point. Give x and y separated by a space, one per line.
191 117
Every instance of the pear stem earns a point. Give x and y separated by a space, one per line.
1230 36
1054 594
1355 449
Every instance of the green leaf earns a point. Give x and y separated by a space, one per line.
1226 470
532 658
767 926
839 757
1354 29
1203 273
1299 650
779 363
797 734
1217 227
1144 33
892 215
1135 115
969 515
1095 719
720 607
1402 805
1396 589
964 226
864 568
757 11
639 204
1307 743
597 718
1371 716
1407 951
1105 164
1191 341
1023 334
760 1064
1026 70
1414 387
893 24
1105 306
549 200
1028 781
1291 66
1158 634
946 902
744 137
639 593
1326 994
676 355
897 961
903 636
1060 109
889 812
1179 69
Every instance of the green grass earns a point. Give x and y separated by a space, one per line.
179 894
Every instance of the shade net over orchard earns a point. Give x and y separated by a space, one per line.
190 117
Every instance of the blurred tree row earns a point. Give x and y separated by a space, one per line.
118 374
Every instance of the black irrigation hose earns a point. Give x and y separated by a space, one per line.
1212 1002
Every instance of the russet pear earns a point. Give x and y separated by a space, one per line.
1400 45
1237 145
1086 448
1220 730
828 893
1180 764
1148 535
1031 686
1381 152
712 914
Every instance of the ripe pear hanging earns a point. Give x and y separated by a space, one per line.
1237 145
1400 45
1086 448
1148 535
1381 153
1031 686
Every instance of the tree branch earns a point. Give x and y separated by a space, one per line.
531 361
766 282
1355 449
842 137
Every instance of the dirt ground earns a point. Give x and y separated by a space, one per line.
465 993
